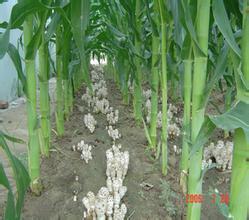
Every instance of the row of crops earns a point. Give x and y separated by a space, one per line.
188 50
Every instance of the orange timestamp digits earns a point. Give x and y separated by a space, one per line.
224 198
198 198
194 198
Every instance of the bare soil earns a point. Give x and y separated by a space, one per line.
58 172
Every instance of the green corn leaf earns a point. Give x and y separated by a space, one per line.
59 7
204 134
34 44
242 89
4 42
16 59
235 7
62 3
63 15
241 85
186 48
12 139
79 19
3 178
10 211
4 25
188 23
151 20
55 21
18 14
236 117
2 1
176 13
36 39
220 68
222 20
21 10
20 174
116 32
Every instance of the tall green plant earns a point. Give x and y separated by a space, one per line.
239 201
238 205
154 77
59 84
66 42
44 85
79 21
186 122
164 85
14 203
33 145
138 81
199 82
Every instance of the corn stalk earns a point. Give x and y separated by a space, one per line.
154 79
199 82
239 198
164 86
65 63
44 87
59 84
137 101
33 145
186 123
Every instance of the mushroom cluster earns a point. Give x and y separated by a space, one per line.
107 204
173 130
101 106
221 152
206 164
173 120
112 116
96 98
113 133
85 149
88 98
90 122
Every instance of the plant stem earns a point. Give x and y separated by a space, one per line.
44 69
154 83
186 122
44 95
33 144
239 199
164 87
65 63
66 98
70 98
194 179
240 177
59 87
199 82
137 101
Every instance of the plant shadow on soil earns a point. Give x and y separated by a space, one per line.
58 172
